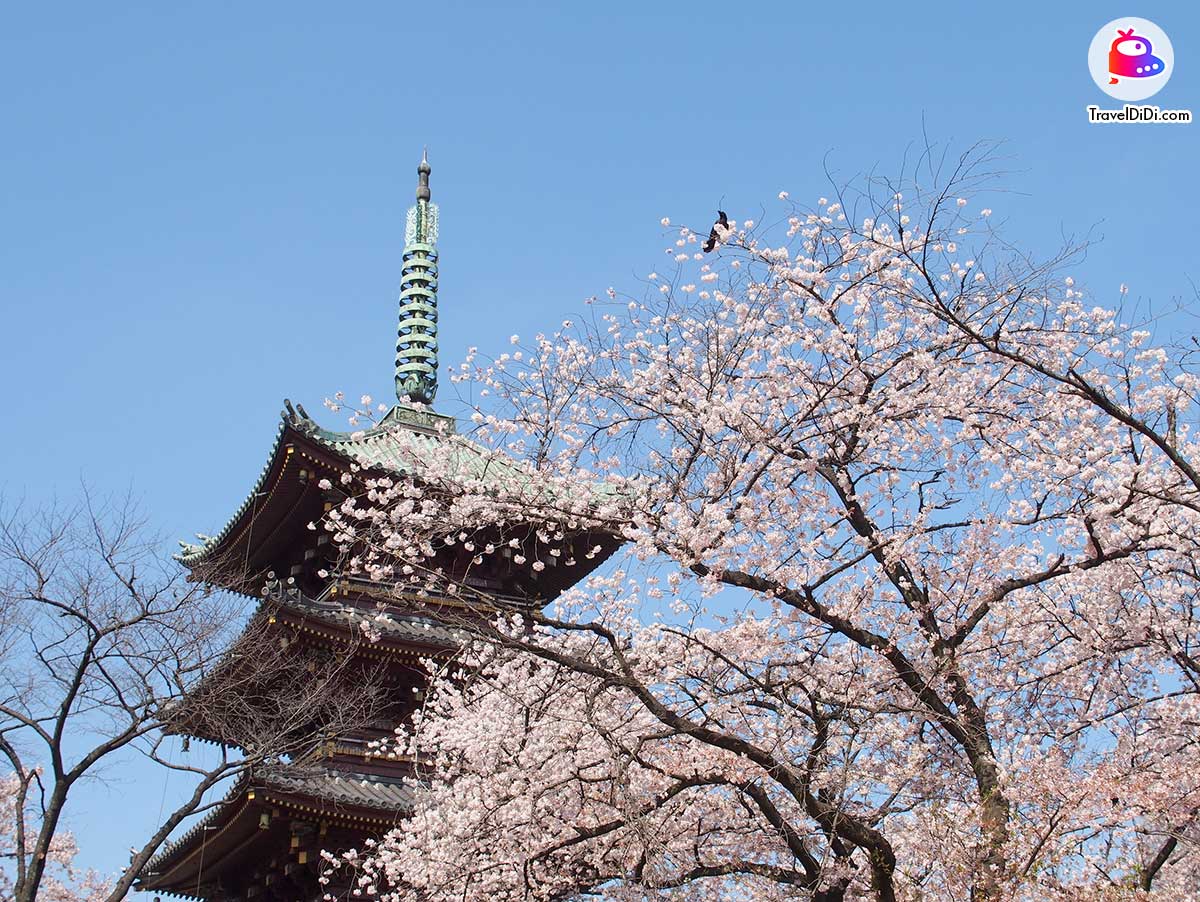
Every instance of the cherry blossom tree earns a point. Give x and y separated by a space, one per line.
906 600
62 881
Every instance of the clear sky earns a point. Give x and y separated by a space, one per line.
203 204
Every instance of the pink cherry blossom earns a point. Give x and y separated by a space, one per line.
905 605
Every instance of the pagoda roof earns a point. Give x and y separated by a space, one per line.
359 790
398 445
412 628
329 794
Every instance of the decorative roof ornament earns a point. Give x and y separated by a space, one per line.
416 339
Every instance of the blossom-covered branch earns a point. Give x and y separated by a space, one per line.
905 602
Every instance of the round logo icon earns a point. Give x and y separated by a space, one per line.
1131 59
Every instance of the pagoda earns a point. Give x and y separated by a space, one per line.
264 840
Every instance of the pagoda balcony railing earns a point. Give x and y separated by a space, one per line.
404 625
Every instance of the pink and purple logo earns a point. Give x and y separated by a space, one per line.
1131 57
1123 61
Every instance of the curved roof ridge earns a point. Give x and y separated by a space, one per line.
367 448
190 552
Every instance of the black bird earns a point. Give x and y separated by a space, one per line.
713 237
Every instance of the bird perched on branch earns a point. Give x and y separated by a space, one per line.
715 237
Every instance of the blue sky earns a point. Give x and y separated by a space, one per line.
203 205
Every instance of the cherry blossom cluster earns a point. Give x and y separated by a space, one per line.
905 602
64 882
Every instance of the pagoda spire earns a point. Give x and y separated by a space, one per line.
416 339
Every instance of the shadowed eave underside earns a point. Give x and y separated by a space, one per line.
345 795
